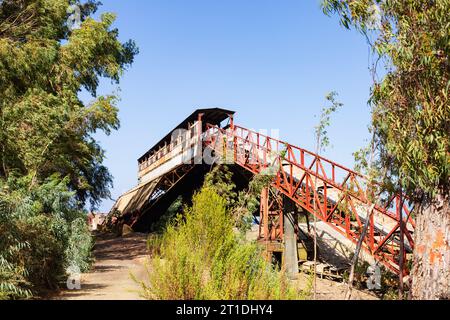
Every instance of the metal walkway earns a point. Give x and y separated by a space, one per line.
333 193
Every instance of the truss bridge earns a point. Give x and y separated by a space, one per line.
303 183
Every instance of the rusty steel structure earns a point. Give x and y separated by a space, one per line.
334 194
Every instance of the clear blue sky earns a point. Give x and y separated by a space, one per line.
272 61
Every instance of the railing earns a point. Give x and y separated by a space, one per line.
179 144
333 193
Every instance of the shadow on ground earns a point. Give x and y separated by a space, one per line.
115 259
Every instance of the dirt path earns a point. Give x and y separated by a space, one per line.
116 257
110 278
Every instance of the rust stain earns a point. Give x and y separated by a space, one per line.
434 256
440 241
438 246
421 249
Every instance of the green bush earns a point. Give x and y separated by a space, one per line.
200 256
42 233
13 281
44 257
168 216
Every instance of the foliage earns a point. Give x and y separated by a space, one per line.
79 245
13 281
325 120
243 204
410 116
322 141
411 110
249 201
389 281
44 126
110 225
220 178
42 233
201 257
169 215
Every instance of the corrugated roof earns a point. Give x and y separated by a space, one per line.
210 115
136 198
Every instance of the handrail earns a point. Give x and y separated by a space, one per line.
166 149
380 241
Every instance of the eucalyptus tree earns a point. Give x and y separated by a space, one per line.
50 51
50 163
411 118
322 142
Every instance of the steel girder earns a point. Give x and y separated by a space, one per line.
333 193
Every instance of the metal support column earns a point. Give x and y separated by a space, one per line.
290 243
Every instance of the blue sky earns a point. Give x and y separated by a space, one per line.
270 61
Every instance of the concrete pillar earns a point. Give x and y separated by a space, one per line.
290 245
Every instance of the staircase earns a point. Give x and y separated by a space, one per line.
333 193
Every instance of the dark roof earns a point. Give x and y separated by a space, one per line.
212 115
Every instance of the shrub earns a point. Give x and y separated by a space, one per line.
13 281
79 247
169 215
43 258
42 233
201 257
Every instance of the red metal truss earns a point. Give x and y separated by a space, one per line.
339 193
271 216
166 182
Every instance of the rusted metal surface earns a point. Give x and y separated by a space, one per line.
209 115
167 163
271 216
334 194
135 199
340 192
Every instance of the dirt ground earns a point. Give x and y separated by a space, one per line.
332 290
115 259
